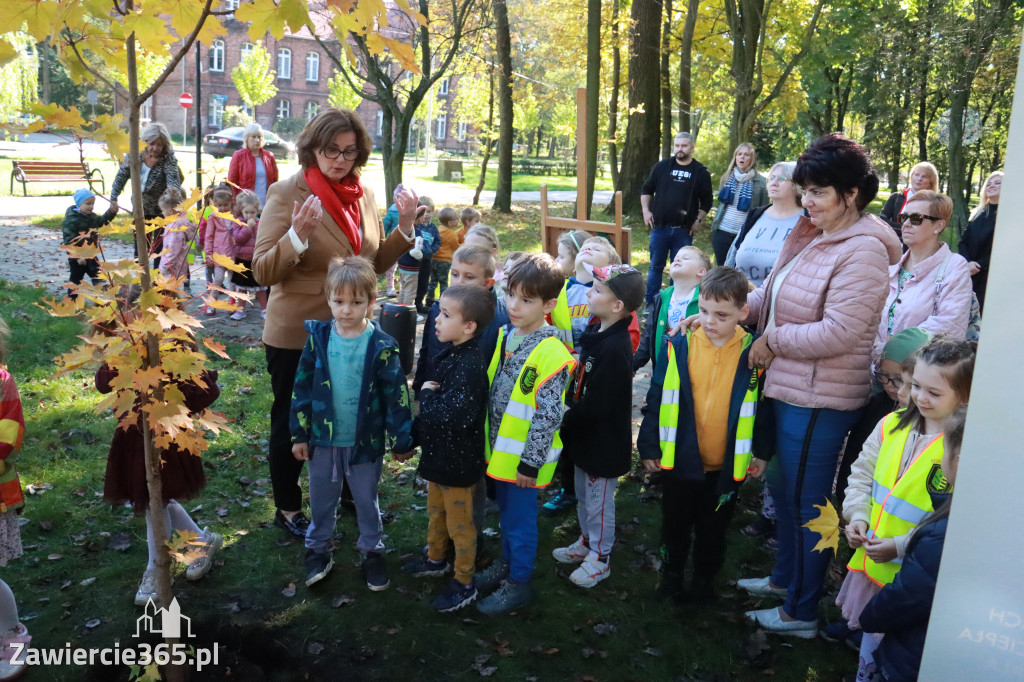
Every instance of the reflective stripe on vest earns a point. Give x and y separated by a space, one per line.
898 502
546 360
668 415
561 319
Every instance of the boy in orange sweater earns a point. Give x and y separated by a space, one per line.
441 265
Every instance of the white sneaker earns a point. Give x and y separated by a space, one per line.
201 566
420 318
771 620
573 554
147 588
761 587
392 293
238 314
591 572
263 314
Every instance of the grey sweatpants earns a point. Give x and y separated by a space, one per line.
328 467
596 509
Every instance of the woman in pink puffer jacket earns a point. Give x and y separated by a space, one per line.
817 313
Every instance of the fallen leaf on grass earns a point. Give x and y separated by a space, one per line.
315 648
605 629
120 542
87 582
756 644
343 600
55 557
652 651
289 591
90 624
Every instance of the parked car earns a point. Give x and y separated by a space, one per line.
226 142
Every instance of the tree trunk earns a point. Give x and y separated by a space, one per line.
686 67
666 90
957 162
394 158
613 104
487 146
643 127
503 195
151 453
593 96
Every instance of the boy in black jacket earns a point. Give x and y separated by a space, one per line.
451 432
596 430
80 224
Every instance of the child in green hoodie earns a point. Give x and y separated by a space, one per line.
80 223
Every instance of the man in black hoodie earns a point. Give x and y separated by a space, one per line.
596 431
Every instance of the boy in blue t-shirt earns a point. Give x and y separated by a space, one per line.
350 400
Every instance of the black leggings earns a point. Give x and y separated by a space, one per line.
282 364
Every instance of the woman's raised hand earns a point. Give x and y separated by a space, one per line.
306 218
406 202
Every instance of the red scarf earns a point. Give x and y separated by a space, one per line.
341 199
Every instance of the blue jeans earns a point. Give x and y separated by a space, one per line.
665 241
807 446
518 509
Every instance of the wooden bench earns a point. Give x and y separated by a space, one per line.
55 171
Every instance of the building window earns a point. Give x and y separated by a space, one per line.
461 134
217 56
146 110
217 103
284 108
312 67
284 63
249 110
232 5
311 109
443 89
442 127
380 123
246 51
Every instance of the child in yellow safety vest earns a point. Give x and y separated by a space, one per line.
699 427
528 375
892 480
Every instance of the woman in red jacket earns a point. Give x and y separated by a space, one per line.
253 167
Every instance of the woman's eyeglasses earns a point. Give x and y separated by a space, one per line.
333 153
886 380
777 178
914 218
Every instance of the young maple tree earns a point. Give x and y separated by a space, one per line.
149 341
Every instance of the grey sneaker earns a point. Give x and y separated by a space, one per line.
201 566
490 578
509 597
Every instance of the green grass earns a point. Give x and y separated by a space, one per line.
391 635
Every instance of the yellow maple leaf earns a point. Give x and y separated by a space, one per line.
827 526
147 378
228 263
57 116
266 15
109 131
39 16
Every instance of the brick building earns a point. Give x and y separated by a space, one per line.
303 71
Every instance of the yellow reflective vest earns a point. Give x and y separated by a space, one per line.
546 360
668 414
561 319
898 502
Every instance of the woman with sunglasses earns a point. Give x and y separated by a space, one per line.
930 287
320 213
922 176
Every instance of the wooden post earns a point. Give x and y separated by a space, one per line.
551 227
581 153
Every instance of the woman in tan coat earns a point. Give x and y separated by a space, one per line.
319 213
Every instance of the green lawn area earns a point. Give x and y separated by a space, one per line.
72 536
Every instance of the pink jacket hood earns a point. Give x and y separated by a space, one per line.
826 312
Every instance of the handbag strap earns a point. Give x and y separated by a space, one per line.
939 276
